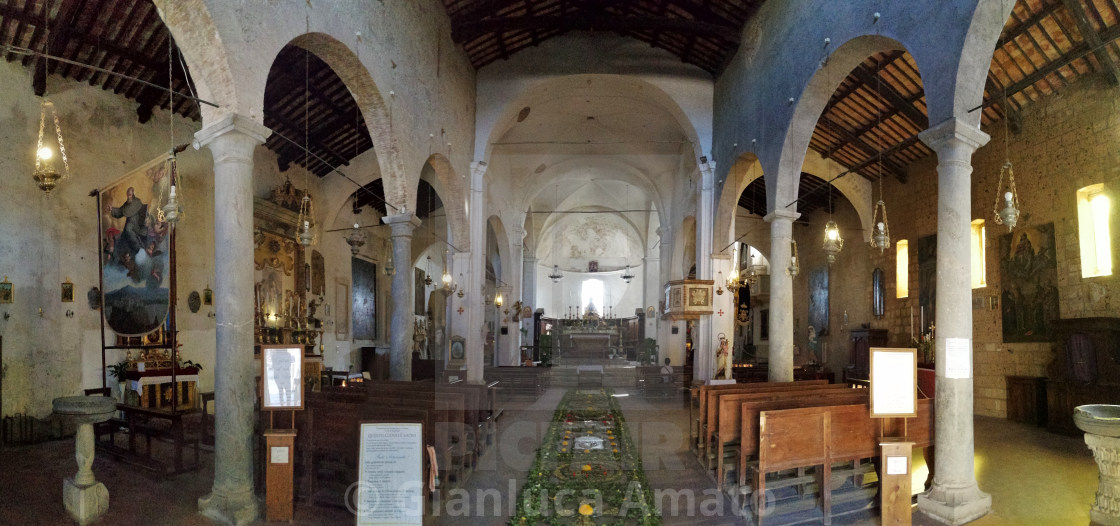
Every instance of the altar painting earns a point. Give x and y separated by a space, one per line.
136 250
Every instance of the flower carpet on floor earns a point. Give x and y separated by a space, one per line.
587 471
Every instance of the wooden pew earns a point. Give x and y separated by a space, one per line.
820 436
709 401
698 406
733 411
519 380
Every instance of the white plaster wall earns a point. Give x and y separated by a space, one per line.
44 241
577 53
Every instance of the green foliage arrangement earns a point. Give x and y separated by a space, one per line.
568 485
118 370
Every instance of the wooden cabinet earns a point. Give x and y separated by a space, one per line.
1026 399
1085 370
859 361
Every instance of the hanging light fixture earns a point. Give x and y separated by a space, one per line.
498 298
428 272
881 237
733 279
389 268
47 176
719 286
1009 214
556 275
794 267
304 222
833 243
752 271
169 212
628 275
356 239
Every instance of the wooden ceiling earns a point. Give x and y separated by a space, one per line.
701 32
870 124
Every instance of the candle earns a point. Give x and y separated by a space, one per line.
923 323
911 323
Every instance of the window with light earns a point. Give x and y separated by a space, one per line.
1093 210
591 293
902 268
979 242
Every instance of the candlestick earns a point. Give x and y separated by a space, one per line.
920 327
911 323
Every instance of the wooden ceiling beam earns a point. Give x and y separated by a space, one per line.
468 31
1026 24
904 104
1077 12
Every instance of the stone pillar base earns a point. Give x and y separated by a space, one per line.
232 510
1106 507
85 503
955 505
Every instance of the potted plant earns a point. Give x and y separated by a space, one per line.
118 371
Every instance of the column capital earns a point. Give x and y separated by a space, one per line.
953 130
231 123
478 169
530 258
781 214
402 224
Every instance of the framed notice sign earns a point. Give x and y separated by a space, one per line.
390 470
281 377
894 381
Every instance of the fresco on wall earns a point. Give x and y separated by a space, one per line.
818 299
135 250
927 280
1029 278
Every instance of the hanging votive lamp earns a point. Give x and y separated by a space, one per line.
833 243
881 237
356 239
752 272
170 210
47 176
794 267
1009 214
628 275
304 221
498 299
389 268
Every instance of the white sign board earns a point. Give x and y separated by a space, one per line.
390 467
897 465
958 359
894 382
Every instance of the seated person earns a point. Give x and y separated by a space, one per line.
667 372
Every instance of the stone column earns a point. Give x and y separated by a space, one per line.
232 141
670 345
781 295
476 326
703 344
404 295
510 348
529 293
954 497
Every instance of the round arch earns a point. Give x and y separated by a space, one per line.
450 187
205 53
743 171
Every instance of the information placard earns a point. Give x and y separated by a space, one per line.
958 358
894 381
390 466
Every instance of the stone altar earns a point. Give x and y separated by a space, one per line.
85 498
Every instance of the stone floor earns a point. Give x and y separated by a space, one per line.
1034 477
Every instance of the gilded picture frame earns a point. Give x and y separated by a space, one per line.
67 292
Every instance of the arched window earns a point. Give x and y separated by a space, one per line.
591 293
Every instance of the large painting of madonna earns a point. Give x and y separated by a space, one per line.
136 250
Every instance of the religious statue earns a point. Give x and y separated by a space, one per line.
723 360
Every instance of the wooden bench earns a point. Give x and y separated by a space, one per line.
732 412
519 380
821 436
698 406
708 395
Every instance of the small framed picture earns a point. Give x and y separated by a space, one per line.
67 292
6 291
282 377
207 296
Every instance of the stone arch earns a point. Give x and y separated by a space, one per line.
501 240
960 89
743 171
684 242
781 186
631 86
374 110
201 44
450 187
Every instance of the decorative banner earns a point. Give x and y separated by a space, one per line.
136 250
